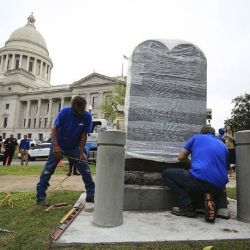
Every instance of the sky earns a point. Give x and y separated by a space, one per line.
86 36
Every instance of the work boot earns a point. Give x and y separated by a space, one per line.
90 198
75 173
43 203
187 211
69 173
209 208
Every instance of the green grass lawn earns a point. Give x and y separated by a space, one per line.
33 169
32 227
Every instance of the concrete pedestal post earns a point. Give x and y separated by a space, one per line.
243 174
110 170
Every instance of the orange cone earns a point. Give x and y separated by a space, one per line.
59 164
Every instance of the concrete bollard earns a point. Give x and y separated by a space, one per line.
110 170
242 140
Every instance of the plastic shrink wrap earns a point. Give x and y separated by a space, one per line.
165 100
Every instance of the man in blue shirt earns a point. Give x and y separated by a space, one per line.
69 136
207 174
23 148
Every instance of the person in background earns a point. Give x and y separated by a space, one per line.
69 136
206 177
221 134
1 143
72 167
230 142
10 147
23 149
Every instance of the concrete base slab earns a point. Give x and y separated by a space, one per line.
151 227
140 197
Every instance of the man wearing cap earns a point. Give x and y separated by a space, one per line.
69 136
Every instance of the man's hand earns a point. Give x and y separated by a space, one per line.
57 152
83 156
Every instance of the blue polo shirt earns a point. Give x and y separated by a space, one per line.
70 127
209 159
24 144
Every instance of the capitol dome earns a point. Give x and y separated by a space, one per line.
26 50
28 37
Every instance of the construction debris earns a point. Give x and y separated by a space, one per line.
5 230
58 205
66 221
8 200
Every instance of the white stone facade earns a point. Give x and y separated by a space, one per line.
28 103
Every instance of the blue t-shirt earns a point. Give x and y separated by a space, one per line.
70 127
209 159
24 144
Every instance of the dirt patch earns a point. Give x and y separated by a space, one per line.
28 183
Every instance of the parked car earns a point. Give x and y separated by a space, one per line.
39 151
91 144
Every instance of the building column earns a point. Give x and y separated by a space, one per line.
88 99
100 105
20 61
27 114
38 112
40 70
13 62
28 60
62 102
49 113
1 63
34 67
49 74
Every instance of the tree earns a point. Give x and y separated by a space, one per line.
240 114
114 102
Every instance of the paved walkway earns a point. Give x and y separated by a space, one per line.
139 226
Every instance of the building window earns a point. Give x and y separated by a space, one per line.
47 108
40 122
18 135
7 105
45 122
59 106
34 123
24 122
17 64
17 60
40 135
8 64
31 63
95 101
4 135
5 122
29 135
29 123
47 73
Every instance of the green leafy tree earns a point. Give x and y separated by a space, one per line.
114 102
240 114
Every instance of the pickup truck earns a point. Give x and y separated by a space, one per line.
91 145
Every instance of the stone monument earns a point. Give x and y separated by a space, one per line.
165 99
165 104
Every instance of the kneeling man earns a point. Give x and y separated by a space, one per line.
206 177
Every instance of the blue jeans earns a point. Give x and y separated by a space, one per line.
51 165
187 189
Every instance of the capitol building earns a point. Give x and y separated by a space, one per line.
28 101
